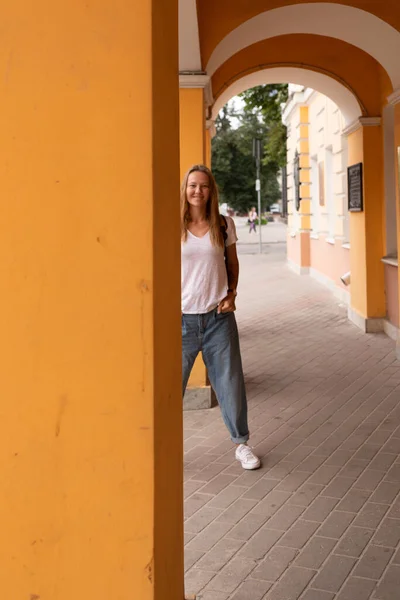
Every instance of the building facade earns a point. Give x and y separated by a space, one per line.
319 241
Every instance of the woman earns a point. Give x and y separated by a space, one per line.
210 271
252 219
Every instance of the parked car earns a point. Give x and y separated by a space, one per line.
275 209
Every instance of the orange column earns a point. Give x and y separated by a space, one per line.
396 102
195 148
367 229
90 399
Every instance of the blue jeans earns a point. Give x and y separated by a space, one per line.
216 336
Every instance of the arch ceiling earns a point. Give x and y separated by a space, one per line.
352 25
338 93
333 58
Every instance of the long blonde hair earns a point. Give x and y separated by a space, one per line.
212 208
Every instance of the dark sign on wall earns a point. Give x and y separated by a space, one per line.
296 175
355 187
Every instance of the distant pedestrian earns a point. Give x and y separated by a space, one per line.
210 272
252 219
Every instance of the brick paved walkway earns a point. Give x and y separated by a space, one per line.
321 519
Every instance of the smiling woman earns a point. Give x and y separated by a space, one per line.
210 273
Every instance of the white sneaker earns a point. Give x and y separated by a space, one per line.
247 457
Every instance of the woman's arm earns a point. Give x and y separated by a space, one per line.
232 269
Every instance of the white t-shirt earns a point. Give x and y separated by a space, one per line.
203 278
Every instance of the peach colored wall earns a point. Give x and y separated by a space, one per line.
293 249
392 294
331 260
298 249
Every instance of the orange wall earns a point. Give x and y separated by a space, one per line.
90 393
357 235
192 128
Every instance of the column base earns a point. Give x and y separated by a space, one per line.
199 398
297 268
367 325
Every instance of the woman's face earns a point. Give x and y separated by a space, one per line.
198 189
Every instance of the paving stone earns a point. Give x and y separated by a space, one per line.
260 543
354 542
394 473
369 480
315 553
320 509
275 563
395 510
340 458
252 590
317 595
291 585
354 468
281 470
385 493
325 474
311 463
195 502
188 537
338 487
236 511
232 575
219 555
191 486
389 588
299 534
336 524
392 446
285 517
209 536
334 573
191 558
218 484
271 503
383 461
354 500
293 481
260 489
388 534
367 452
201 519
357 589
226 497
212 596
196 580
247 526
371 515
306 494
374 561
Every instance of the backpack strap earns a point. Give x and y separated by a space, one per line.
224 227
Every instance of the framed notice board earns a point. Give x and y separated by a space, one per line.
355 188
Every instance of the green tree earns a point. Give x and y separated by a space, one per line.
232 150
266 101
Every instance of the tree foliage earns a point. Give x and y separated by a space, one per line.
232 148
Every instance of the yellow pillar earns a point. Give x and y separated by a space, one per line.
90 399
195 148
192 128
367 229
